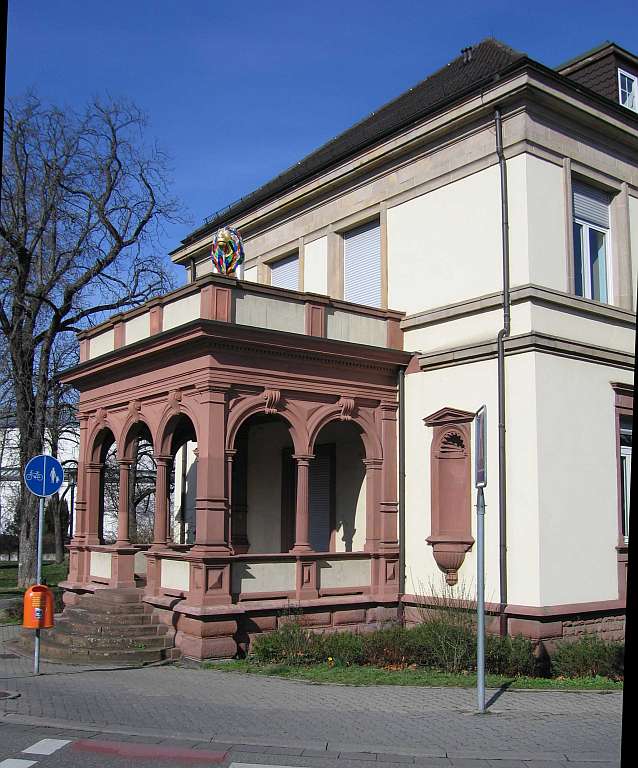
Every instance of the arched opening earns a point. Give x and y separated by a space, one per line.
105 493
337 489
142 470
263 490
182 480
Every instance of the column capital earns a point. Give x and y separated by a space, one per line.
230 454
388 408
373 463
125 463
166 460
303 457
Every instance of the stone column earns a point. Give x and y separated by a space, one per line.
123 507
373 487
386 577
77 555
302 510
211 505
95 502
161 502
389 503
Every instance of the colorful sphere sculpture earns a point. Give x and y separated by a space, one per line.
227 251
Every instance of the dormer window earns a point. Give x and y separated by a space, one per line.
628 90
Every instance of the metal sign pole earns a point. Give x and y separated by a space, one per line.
36 653
480 602
41 484
480 481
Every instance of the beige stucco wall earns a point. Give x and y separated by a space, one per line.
583 328
137 328
265 444
175 574
279 576
467 387
546 223
250 275
468 329
346 326
266 312
577 471
445 246
102 343
181 311
337 573
101 565
316 266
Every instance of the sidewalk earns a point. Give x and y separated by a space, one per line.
384 723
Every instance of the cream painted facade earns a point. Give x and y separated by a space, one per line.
435 190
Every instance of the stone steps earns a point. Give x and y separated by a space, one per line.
110 626
96 629
50 649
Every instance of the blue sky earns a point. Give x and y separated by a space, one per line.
236 92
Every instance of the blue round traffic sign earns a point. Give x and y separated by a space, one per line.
43 475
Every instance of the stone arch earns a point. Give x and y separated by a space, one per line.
99 443
173 413
255 404
134 425
337 412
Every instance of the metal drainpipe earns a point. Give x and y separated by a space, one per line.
401 484
500 343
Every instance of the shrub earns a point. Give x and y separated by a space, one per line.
290 644
344 648
588 656
444 644
391 646
510 656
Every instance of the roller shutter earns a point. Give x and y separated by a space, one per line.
362 265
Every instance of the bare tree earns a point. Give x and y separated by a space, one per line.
83 196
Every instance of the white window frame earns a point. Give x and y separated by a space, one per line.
586 259
634 79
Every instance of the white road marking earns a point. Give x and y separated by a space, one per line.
14 762
45 747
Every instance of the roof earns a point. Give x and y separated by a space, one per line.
485 62
604 48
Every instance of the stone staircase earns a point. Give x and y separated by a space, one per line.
109 626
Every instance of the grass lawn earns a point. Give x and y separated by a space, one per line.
356 675
52 574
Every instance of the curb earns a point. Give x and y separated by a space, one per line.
310 748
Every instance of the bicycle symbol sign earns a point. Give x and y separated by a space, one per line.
43 475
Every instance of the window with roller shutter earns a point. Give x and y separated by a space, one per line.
285 272
362 265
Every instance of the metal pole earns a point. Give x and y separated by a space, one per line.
38 578
480 601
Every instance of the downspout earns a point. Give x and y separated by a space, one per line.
500 345
401 487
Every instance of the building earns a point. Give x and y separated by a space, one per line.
474 241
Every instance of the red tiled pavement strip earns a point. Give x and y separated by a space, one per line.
148 751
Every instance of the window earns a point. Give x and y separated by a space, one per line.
591 242
625 472
628 90
362 265
285 272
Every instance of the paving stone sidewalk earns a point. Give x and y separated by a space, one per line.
230 708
